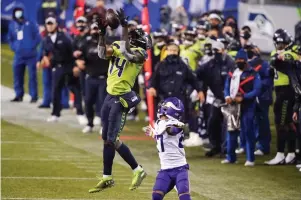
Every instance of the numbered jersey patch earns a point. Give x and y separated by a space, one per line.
170 147
122 74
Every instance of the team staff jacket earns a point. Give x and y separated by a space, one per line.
213 75
171 77
95 66
60 52
262 67
249 88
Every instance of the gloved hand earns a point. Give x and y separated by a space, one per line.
102 25
149 131
122 17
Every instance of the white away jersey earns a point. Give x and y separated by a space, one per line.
170 147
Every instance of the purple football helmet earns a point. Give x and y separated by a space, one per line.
171 107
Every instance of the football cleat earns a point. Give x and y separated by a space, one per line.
290 158
138 177
104 183
278 160
87 129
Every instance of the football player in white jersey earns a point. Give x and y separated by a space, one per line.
168 132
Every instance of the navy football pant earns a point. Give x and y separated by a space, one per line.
19 66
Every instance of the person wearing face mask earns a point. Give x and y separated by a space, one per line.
78 42
159 48
176 33
57 52
23 38
190 49
245 35
263 101
202 29
213 74
242 86
282 60
233 44
96 76
171 77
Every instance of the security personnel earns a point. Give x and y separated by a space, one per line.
96 76
57 45
281 59
171 77
213 75
23 38
242 87
263 101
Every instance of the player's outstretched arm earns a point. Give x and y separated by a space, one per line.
132 56
103 51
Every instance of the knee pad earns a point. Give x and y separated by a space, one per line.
117 143
157 196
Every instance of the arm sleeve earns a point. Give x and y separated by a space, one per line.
297 102
256 88
40 51
201 73
265 77
10 37
174 130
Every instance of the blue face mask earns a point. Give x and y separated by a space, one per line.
18 14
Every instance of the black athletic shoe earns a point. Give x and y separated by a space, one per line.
44 106
213 152
33 100
17 99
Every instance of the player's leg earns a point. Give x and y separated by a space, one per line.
247 130
231 146
117 120
182 183
162 185
108 150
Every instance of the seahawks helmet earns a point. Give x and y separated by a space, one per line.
282 39
138 38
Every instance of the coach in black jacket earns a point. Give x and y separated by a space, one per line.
171 77
213 75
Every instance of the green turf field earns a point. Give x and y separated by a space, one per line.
45 161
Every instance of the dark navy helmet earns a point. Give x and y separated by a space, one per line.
171 107
138 38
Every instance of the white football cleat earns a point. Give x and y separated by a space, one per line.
249 164
96 120
52 118
298 166
87 129
258 152
82 120
239 151
278 160
290 158
300 170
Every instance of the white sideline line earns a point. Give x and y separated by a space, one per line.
41 199
41 159
46 178
22 142
118 179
